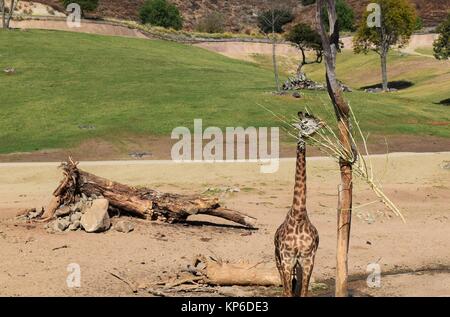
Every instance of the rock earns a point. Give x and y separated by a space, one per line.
9 70
139 155
60 225
96 218
124 226
77 207
446 165
296 95
63 211
75 225
75 216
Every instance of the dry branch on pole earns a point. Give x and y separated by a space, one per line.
330 43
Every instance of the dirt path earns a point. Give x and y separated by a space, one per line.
34 264
86 26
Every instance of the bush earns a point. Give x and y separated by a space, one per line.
441 46
161 13
212 23
274 19
419 24
305 37
85 5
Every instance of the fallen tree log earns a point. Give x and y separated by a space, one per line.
216 272
140 202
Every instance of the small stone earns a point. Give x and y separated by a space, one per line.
96 218
296 95
124 226
60 225
75 217
63 211
75 225
9 70
446 165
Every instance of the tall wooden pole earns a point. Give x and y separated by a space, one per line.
330 41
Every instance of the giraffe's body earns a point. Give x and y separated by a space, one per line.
297 240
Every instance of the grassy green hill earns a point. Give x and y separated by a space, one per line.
127 87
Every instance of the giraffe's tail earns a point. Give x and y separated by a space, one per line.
297 280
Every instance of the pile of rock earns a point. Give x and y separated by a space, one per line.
88 214
377 90
302 82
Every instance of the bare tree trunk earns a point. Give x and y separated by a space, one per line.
274 54
275 66
6 18
2 5
330 43
384 74
12 7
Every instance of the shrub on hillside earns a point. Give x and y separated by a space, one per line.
212 23
85 5
441 46
161 13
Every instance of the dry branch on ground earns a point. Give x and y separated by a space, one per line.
143 203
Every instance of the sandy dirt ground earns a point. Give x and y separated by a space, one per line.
414 257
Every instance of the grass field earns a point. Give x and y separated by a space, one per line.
127 87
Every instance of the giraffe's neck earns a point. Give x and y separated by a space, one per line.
298 210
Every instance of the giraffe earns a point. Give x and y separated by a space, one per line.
297 240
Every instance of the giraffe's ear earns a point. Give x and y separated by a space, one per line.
300 114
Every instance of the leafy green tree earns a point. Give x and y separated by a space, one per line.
442 45
345 16
161 13
305 38
397 22
85 5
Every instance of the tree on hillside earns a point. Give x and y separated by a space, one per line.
441 46
7 12
85 5
397 21
271 23
305 38
161 13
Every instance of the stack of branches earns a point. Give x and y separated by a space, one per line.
140 202
328 142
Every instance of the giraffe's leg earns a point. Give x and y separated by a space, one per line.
297 280
307 268
285 270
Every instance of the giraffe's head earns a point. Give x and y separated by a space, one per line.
308 125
